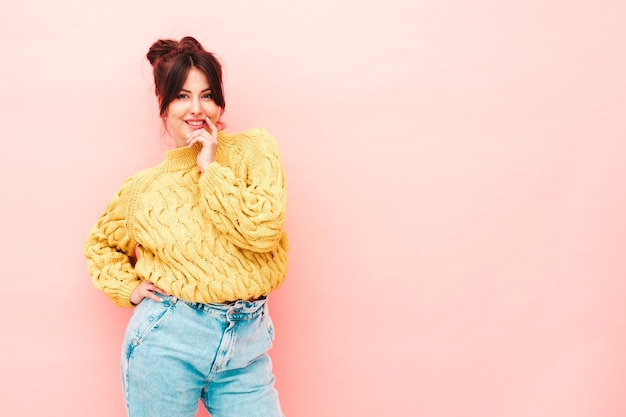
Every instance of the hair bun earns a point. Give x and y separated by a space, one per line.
190 43
161 48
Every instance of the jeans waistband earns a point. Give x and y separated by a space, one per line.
242 309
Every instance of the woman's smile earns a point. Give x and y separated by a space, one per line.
195 124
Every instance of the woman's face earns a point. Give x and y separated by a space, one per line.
188 111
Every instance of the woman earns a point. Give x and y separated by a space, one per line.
197 244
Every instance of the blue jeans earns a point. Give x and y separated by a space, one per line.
178 352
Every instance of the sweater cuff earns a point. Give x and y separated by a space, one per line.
121 297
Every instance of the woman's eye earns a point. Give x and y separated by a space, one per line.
182 96
207 96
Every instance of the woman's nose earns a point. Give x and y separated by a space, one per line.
195 106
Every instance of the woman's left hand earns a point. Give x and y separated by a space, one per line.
208 138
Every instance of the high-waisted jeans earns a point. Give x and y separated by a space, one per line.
178 352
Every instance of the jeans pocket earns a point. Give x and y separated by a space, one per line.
148 316
268 325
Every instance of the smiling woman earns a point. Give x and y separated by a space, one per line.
196 244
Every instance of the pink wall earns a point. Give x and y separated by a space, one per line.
457 197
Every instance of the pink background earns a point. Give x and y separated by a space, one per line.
457 197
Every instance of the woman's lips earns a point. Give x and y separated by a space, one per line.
195 124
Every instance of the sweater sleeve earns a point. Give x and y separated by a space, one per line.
108 249
247 199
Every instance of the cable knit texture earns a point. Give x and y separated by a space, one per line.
205 237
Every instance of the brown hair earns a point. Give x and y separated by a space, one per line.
171 61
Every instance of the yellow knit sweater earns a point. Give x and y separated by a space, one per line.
205 237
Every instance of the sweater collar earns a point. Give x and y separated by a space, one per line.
181 158
186 158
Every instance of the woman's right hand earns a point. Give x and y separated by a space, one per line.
146 289
208 138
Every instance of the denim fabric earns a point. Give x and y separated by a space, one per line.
177 352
